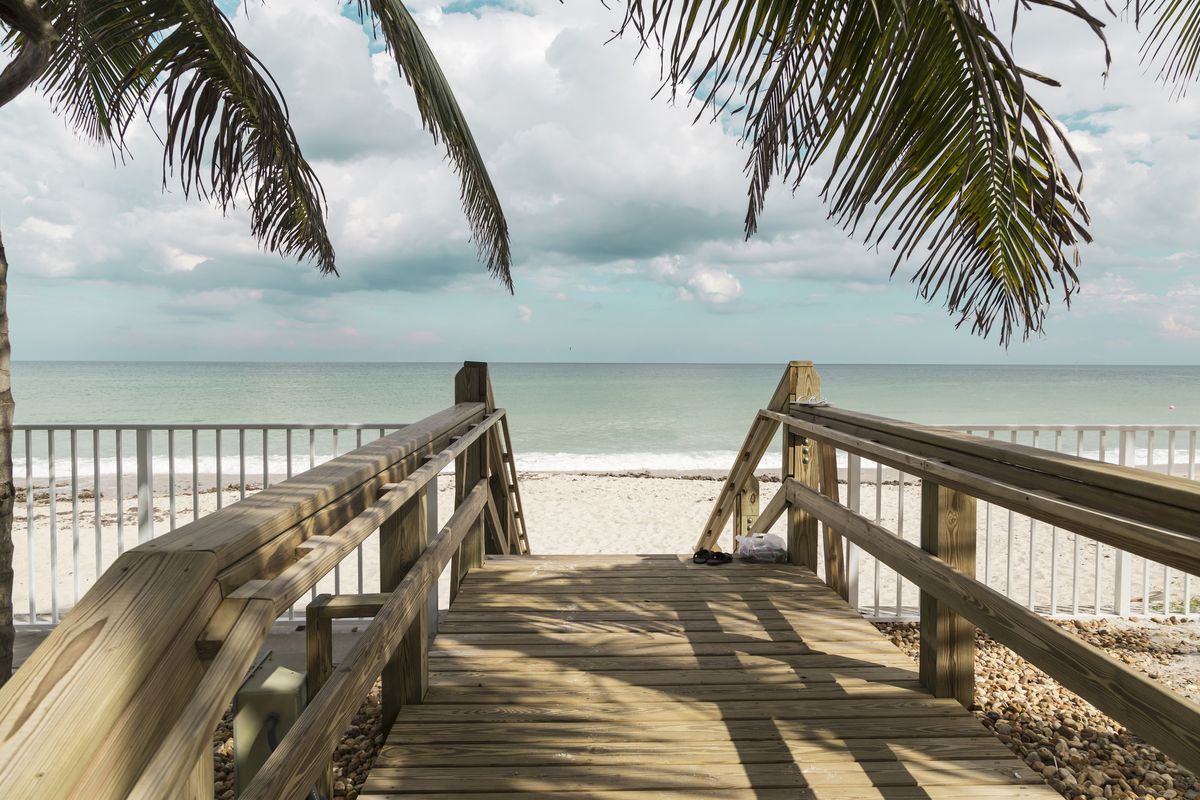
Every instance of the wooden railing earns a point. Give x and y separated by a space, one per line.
1154 516
122 698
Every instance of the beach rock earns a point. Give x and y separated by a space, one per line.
1079 751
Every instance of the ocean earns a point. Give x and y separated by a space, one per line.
595 417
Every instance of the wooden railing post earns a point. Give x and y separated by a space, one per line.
835 562
471 385
318 641
800 463
947 640
402 539
745 510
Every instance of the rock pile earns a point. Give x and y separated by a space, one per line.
1082 753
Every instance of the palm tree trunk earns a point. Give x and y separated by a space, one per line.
7 633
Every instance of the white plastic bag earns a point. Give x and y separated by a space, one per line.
766 547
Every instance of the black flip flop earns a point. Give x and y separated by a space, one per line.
719 558
701 556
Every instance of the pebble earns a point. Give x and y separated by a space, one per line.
1079 751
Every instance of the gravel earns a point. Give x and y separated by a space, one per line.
351 761
1081 752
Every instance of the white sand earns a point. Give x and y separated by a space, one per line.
570 513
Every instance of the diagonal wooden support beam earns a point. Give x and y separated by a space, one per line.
796 378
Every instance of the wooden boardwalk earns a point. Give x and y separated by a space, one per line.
648 677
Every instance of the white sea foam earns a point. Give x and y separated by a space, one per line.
277 467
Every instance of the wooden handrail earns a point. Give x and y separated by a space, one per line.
301 756
1162 717
1175 548
1161 500
121 698
1151 515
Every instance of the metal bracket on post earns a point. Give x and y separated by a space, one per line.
1122 568
145 484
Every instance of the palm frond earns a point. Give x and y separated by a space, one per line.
442 117
227 132
1173 41
932 140
93 78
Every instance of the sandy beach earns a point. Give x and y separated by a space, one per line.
615 513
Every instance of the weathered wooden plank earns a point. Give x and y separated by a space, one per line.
517 777
296 764
737 572
758 439
673 732
687 614
489 693
770 514
518 510
745 509
189 739
996 792
947 655
1172 503
835 559
320 559
97 659
124 750
1123 529
662 585
766 675
833 630
1115 479
449 641
675 663
765 752
846 708
542 692
763 602
239 529
1154 712
402 540
651 649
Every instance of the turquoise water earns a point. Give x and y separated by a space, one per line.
597 416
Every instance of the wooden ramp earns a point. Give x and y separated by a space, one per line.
648 677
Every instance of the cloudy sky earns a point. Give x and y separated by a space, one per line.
625 218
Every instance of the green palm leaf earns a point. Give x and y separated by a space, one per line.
227 134
933 143
441 115
1174 39
92 78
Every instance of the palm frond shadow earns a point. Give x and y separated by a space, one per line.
714 687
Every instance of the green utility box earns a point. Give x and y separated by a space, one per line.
274 691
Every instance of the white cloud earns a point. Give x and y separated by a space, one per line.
1175 326
43 229
177 260
713 286
606 189
524 313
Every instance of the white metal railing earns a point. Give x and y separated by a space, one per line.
1048 570
76 480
